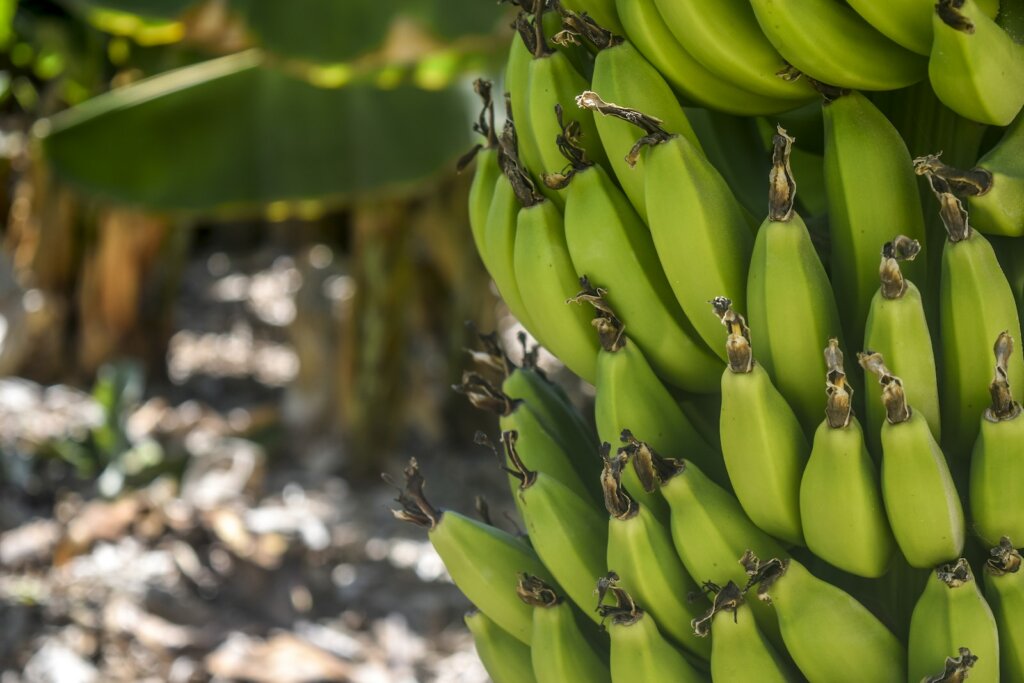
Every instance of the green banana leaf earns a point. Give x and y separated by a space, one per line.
234 134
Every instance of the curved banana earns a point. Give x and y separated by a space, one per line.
897 329
725 37
622 74
997 461
831 637
739 651
505 658
908 22
629 396
975 67
698 226
841 504
569 533
950 614
975 305
483 561
762 443
561 650
647 31
1004 589
831 43
709 528
870 184
921 501
640 551
789 298
512 188
639 651
485 176
547 278
610 244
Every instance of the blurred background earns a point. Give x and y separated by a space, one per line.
234 278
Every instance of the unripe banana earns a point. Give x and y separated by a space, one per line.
485 177
1004 589
610 244
569 533
831 43
482 560
739 652
725 37
950 614
513 189
622 74
540 444
997 461
897 329
841 505
975 305
709 528
505 658
639 652
790 303
560 650
629 396
831 637
546 279
762 443
921 501
975 67
697 225
691 79
870 185
908 22
517 88
640 551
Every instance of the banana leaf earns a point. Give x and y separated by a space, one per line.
236 135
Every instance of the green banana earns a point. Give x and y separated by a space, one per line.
831 43
952 613
610 244
544 450
698 226
975 67
870 184
1004 588
997 461
789 299
994 189
897 329
568 532
639 652
725 37
482 560
505 658
908 22
841 505
640 551
546 279
975 305
629 396
739 652
602 11
622 74
831 637
691 79
560 650
513 188
485 177
517 88
762 443
921 501
709 528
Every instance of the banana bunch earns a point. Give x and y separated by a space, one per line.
758 509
